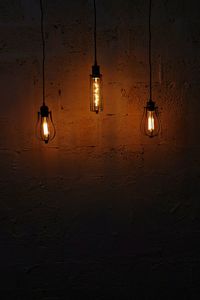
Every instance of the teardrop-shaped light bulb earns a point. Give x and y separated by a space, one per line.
150 124
45 127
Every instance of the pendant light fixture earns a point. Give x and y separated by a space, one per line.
96 99
150 124
45 126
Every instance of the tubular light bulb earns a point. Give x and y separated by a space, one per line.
96 91
45 126
150 124
96 101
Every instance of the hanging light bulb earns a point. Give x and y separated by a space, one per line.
45 126
45 129
96 99
150 124
96 103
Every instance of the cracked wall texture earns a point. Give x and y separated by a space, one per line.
102 212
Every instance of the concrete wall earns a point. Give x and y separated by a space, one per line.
102 212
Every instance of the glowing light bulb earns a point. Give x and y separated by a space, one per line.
45 127
150 121
96 101
96 92
150 124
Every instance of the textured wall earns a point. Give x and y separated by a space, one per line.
102 211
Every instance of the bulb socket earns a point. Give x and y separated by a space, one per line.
151 105
44 111
96 71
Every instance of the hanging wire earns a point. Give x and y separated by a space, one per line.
95 33
43 51
150 58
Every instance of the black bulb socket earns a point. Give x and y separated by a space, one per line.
44 111
151 105
96 71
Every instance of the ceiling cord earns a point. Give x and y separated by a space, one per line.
150 58
43 51
95 33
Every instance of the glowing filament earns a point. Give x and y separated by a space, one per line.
151 121
45 128
96 91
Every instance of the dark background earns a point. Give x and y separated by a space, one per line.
102 212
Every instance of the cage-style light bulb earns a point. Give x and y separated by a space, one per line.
96 99
150 124
45 127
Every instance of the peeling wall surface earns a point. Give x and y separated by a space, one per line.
101 212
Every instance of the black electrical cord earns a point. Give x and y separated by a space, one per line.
95 34
43 51
150 58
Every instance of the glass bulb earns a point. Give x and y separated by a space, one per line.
150 117
45 127
150 124
96 99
